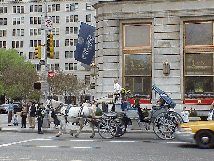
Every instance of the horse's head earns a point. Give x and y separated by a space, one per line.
56 105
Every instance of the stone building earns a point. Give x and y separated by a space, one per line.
135 38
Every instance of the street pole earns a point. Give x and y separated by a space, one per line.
45 52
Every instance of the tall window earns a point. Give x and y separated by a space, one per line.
3 32
87 79
31 55
70 7
3 9
70 66
35 20
18 9
35 8
18 20
55 19
35 32
56 43
3 21
18 32
53 7
88 6
56 54
71 30
70 42
17 44
35 43
198 60
55 31
88 18
2 44
69 54
137 67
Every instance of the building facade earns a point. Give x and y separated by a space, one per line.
20 28
136 39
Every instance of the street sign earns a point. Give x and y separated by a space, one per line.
46 23
50 74
42 62
44 87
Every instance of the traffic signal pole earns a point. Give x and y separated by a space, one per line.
45 52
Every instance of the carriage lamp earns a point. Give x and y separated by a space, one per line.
93 69
166 68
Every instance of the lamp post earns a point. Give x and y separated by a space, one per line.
166 68
93 69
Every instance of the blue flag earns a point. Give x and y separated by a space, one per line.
85 48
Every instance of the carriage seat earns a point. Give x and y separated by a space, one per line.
126 105
156 107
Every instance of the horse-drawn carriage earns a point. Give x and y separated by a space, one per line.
113 124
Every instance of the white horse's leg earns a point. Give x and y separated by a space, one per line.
92 127
61 128
81 121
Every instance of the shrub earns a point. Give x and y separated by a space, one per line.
146 112
99 113
193 113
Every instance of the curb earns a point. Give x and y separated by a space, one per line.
56 130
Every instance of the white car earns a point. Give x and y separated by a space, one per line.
3 108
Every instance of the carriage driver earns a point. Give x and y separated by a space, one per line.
117 89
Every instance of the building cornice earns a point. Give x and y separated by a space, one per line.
42 1
97 4
157 14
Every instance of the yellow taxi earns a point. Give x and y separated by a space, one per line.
200 132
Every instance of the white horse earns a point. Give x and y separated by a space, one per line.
72 115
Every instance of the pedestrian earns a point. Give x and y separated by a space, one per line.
24 115
15 120
140 112
40 115
32 114
117 89
210 114
10 111
185 115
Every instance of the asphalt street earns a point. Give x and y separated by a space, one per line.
130 147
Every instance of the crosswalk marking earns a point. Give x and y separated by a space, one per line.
55 146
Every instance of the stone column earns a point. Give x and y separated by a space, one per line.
167 46
107 56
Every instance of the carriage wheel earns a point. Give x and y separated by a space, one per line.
107 128
121 128
166 123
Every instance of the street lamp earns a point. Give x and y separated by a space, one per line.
93 69
166 68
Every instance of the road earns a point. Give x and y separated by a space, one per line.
130 147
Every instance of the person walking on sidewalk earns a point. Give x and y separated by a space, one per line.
10 112
40 115
24 115
32 114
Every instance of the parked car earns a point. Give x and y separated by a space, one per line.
199 132
17 107
3 108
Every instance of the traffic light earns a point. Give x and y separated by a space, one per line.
37 85
38 52
50 47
